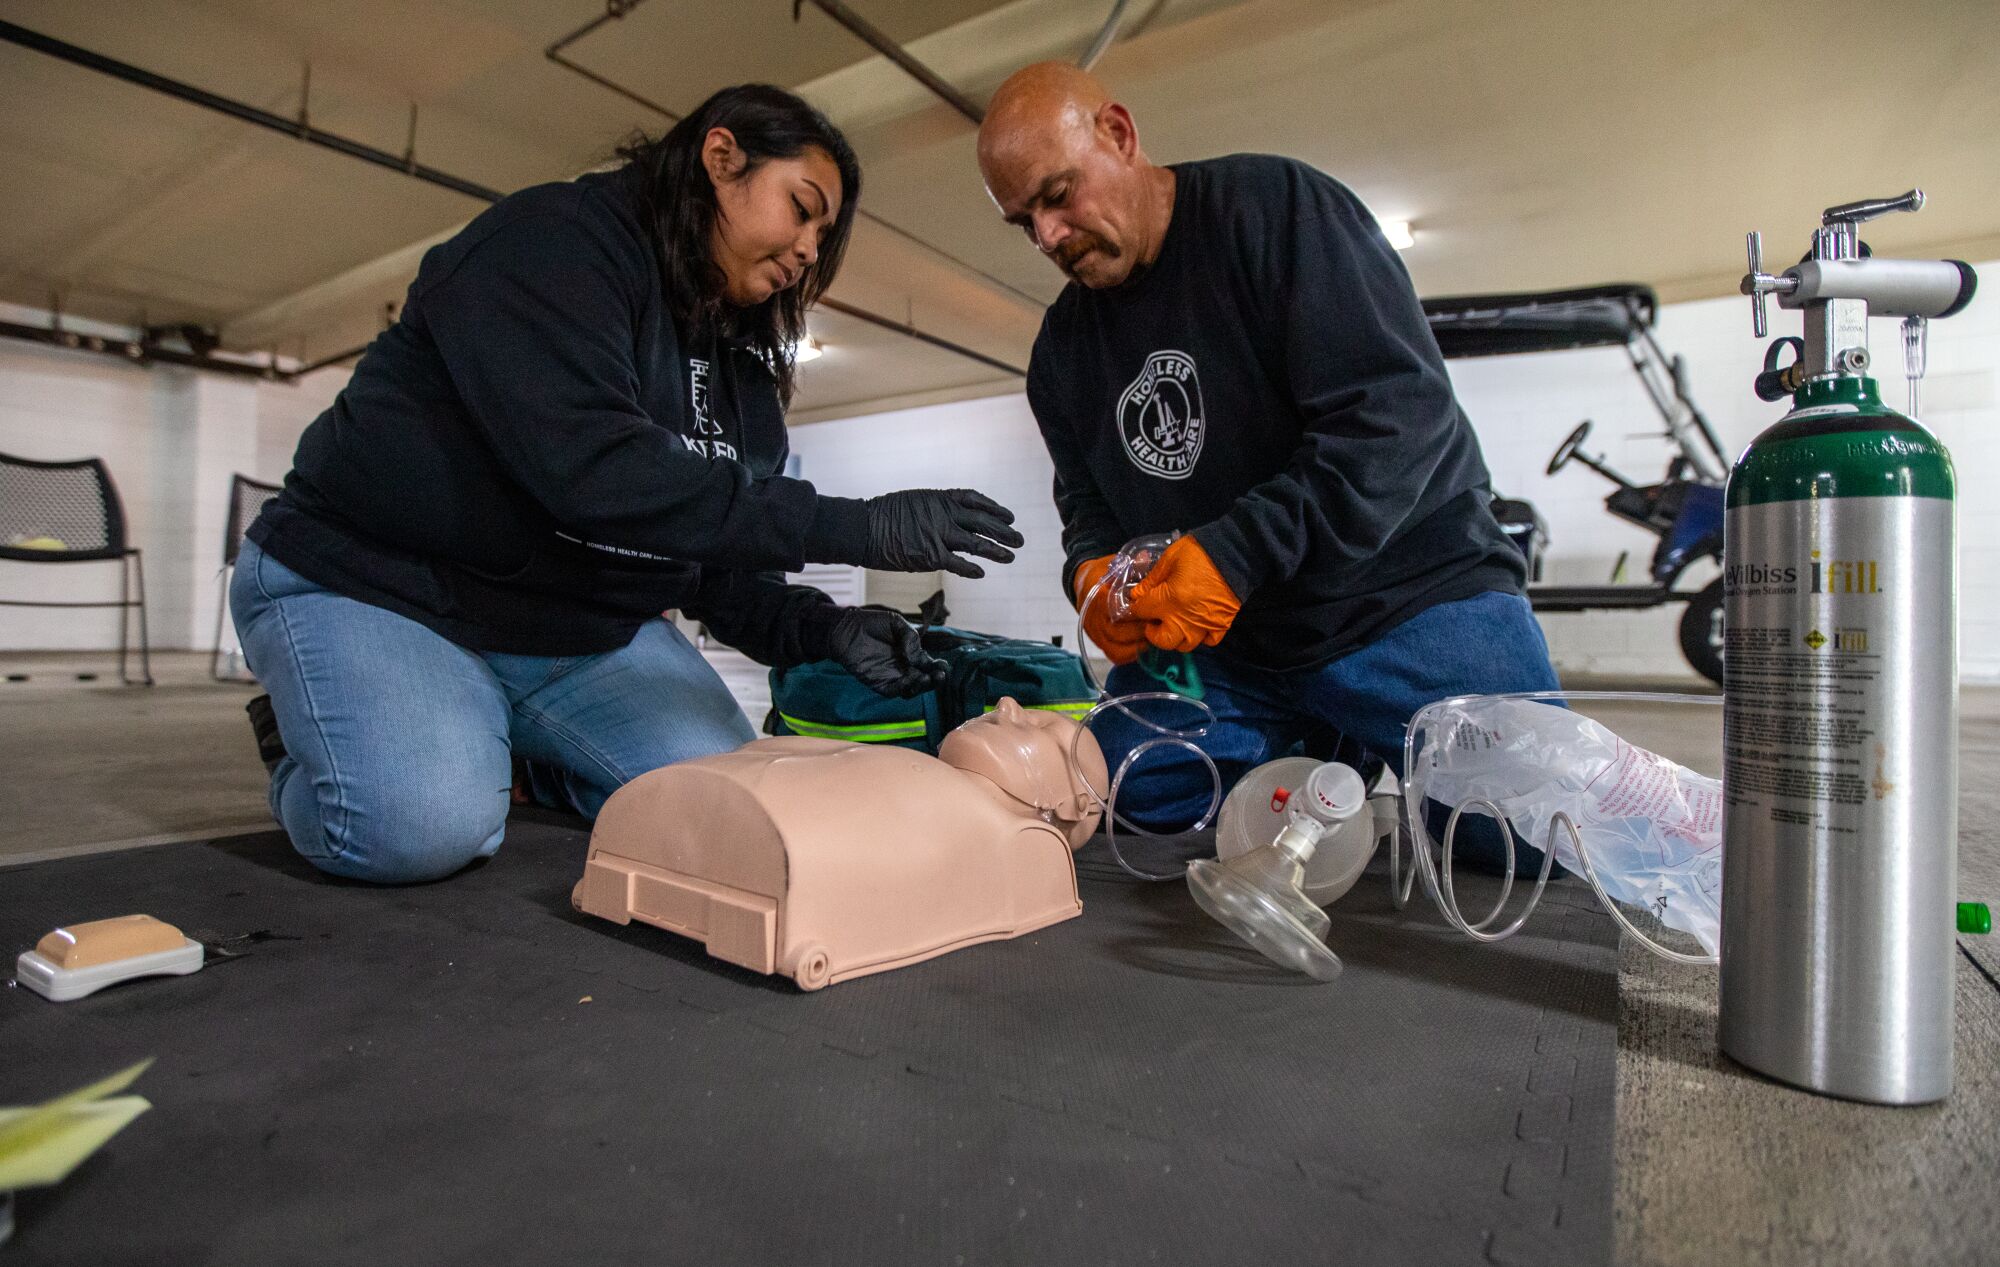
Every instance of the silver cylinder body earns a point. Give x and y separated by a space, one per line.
1840 775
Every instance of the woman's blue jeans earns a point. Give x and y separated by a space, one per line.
399 740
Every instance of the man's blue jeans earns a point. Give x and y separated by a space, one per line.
1486 644
399 740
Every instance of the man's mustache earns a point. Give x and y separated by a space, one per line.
1079 246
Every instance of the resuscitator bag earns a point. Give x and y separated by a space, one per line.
1652 828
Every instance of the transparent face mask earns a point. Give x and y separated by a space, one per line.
1129 567
1295 834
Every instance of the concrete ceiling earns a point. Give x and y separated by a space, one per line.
1532 143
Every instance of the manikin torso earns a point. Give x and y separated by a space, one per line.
825 859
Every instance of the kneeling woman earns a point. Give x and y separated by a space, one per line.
576 424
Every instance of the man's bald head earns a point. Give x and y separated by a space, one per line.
1045 103
1062 160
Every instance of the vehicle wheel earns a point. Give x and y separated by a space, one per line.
814 967
1701 631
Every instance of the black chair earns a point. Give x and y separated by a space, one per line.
246 501
69 512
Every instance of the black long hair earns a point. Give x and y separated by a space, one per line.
677 200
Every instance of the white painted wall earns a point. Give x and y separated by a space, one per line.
1522 407
988 444
171 438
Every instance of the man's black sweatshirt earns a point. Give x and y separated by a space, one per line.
534 459
1270 384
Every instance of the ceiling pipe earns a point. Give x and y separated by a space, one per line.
299 128
1108 33
324 362
616 9
149 352
613 10
144 351
873 38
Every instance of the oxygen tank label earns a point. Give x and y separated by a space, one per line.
1837 620
1840 787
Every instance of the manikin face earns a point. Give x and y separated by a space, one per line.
1073 185
1026 752
770 219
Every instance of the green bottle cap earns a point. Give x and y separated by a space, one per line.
1973 917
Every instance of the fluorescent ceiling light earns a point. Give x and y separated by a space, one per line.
806 351
1398 233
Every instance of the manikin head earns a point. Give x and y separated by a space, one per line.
1025 752
1062 161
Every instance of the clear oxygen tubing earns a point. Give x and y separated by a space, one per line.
1163 737
1437 873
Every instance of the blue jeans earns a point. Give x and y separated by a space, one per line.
399 740
1486 644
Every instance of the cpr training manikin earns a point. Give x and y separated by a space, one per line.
825 860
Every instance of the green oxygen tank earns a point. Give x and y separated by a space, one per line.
1840 710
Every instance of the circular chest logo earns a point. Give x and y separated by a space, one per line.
1160 416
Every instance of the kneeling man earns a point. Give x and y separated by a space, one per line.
1240 356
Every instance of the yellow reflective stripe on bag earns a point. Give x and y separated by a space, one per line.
878 732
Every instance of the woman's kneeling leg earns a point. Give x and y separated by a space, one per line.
396 738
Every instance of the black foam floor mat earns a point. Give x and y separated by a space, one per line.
470 1072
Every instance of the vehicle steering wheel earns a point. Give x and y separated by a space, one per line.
1567 449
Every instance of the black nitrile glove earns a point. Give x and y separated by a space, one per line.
883 650
923 529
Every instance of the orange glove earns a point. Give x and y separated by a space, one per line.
1184 600
1121 640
